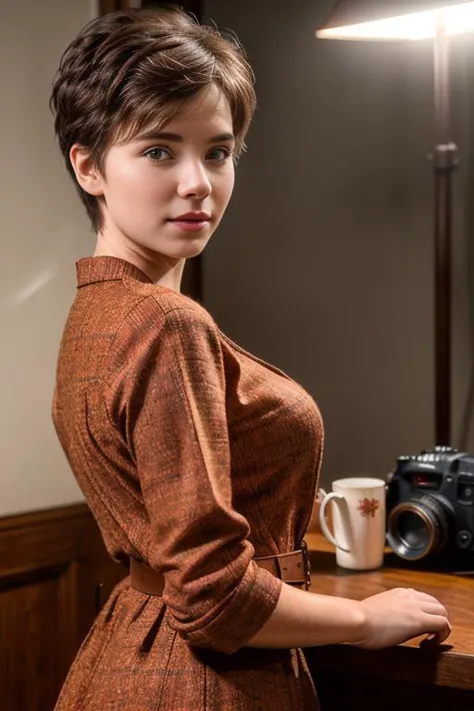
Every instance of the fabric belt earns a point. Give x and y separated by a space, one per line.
293 568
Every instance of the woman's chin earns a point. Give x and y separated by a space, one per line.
190 250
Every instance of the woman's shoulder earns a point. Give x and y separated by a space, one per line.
170 307
158 321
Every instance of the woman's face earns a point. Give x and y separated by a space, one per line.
153 180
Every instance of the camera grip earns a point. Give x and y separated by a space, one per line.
337 498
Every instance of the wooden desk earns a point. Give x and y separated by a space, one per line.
409 676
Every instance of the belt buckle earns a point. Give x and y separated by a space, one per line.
307 564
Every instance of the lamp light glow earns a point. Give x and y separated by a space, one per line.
457 19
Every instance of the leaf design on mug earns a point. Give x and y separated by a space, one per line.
368 507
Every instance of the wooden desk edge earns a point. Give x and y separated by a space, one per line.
402 663
424 665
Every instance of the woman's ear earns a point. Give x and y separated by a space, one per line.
87 174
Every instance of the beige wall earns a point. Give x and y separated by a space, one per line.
323 264
44 230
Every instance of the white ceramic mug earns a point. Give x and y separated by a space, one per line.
358 522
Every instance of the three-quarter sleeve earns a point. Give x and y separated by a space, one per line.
174 415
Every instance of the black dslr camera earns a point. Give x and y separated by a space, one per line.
430 509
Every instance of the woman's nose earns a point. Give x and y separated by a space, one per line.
194 181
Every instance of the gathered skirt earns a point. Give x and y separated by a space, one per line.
132 660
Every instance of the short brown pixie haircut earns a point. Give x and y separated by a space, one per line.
134 69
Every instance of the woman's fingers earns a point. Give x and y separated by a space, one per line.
441 629
434 608
424 596
429 603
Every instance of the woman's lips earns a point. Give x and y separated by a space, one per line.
190 225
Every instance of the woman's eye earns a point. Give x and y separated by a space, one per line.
220 154
157 154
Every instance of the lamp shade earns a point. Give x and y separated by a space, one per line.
396 19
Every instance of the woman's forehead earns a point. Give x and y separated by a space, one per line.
209 107
208 114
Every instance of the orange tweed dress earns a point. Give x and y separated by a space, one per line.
194 456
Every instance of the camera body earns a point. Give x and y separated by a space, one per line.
430 509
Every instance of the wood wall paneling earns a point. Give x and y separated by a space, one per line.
51 564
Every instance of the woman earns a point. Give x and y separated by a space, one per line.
198 460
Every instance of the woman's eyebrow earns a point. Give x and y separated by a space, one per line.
166 136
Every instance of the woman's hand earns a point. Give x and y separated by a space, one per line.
303 619
397 615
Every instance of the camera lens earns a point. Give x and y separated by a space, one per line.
418 527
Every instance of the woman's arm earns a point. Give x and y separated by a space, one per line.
303 619
167 399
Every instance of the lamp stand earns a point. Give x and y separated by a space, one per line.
445 162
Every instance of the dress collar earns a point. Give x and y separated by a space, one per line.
91 270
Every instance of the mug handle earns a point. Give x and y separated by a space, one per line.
322 519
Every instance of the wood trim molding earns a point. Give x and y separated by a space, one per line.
194 6
29 518
106 6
